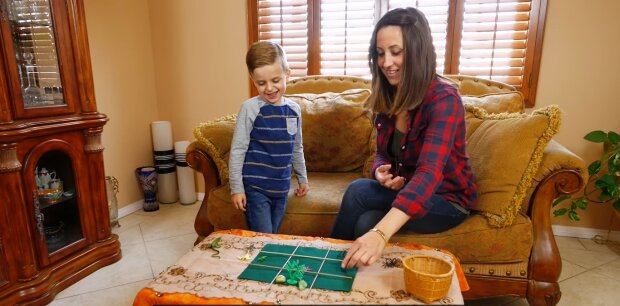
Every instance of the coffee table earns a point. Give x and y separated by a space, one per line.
204 276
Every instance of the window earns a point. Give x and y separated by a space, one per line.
495 39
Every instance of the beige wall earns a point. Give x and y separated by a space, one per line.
119 35
579 72
183 61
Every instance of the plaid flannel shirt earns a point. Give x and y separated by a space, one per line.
432 156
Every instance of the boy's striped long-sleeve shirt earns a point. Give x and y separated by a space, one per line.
267 141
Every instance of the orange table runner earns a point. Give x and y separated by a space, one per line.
200 278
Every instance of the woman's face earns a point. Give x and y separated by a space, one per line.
390 51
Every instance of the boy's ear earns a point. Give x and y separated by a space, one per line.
288 74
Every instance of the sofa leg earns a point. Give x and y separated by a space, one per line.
543 293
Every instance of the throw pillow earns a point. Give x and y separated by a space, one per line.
504 102
505 152
336 129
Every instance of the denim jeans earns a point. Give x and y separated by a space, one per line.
366 202
264 214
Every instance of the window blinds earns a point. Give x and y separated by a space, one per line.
494 39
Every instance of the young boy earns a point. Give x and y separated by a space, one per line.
266 143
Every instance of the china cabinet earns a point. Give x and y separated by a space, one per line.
54 219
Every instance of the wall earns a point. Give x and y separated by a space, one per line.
579 72
121 52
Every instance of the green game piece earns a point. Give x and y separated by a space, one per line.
262 258
280 279
302 285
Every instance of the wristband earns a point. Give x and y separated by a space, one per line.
380 232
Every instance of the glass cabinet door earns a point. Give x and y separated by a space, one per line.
56 211
37 34
34 44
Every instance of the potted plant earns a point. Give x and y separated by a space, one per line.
603 184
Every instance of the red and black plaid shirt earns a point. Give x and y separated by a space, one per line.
432 156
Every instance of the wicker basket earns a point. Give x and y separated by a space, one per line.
427 278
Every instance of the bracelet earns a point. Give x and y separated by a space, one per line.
380 232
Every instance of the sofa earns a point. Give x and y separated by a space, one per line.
505 247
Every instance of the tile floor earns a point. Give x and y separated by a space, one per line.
152 241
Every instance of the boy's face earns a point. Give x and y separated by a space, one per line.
270 81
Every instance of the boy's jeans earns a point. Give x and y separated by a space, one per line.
366 202
264 214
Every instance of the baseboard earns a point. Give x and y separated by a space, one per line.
127 210
584 232
135 206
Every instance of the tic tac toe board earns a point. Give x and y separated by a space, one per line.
324 266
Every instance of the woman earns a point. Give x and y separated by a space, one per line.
422 178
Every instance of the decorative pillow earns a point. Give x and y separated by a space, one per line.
504 102
336 129
505 152
214 137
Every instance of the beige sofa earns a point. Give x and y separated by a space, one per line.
506 247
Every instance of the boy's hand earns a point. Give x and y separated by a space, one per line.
302 190
238 199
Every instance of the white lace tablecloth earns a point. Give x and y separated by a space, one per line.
200 274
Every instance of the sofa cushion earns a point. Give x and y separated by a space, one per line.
475 241
504 102
214 137
311 215
336 129
505 152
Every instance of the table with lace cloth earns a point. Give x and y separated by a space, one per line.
203 276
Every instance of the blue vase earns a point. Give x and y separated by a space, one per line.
147 177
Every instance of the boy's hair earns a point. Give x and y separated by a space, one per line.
263 53
417 69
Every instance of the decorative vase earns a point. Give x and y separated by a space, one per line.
111 186
147 177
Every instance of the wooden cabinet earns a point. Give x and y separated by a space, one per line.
54 220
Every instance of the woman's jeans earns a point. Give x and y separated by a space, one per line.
366 202
264 214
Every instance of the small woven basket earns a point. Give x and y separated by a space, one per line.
427 278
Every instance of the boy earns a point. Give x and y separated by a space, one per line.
266 143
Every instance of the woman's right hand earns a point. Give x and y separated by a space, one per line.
238 199
387 180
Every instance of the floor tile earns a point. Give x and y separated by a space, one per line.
119 296
570 269
134 266
129 234
568 243
611 269
171 221
589 288
595 246
587 259
165 252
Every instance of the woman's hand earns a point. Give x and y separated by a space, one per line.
239 200
387 180
302 190
364 251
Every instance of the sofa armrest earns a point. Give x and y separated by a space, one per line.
561 173
208 154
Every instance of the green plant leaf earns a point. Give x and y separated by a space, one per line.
582 203
596 136
560 200
613 137
616 205
560 212
573 215
594 167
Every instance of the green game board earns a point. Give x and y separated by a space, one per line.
325 262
